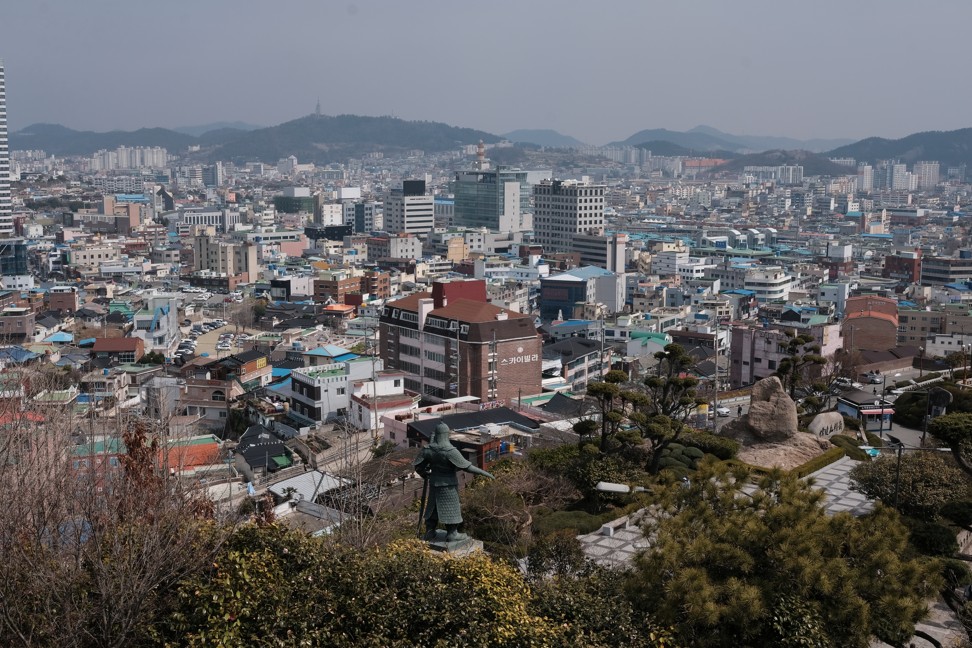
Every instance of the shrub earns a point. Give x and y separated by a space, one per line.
818 462
874 440
579 521
850 447
931 538
852 423
958 512
756 470
956 573
721 447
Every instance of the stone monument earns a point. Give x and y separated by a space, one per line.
772 415
438 464
827 424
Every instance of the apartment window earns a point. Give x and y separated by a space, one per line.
398 382
341 391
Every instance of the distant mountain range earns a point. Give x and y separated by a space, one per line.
60 140
812 163
196 131
324 139
668 149
311 139
543 137
951 148
706 138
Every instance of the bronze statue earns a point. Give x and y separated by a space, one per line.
437 463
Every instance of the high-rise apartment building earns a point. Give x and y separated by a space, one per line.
927 174
865 177
564 208
6 204
409 210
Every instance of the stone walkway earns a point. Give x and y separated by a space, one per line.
834 480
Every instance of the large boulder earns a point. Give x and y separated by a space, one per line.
772 413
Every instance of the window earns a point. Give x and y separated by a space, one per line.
342 391
398 382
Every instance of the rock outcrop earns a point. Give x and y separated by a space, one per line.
772 413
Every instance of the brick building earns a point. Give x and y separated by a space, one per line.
870 322
904 266
452 343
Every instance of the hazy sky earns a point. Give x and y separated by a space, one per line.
597 70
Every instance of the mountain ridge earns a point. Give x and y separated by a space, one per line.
543 137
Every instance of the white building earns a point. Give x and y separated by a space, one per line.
6 204
384 396
565 208
323 392
768 284
409 210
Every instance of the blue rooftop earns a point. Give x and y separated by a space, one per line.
60 338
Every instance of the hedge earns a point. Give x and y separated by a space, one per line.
582 521
721 447
759 470
850 447
931 538
818 462
874 440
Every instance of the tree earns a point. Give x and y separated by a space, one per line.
271 586
918 486
93 540
802 352
500 511
605 393
589 606
955 429
739 565
672 391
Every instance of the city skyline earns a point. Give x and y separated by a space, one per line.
569 67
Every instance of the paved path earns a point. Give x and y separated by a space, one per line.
834 480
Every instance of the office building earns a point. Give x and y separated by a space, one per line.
565 208
498 200
6 205
409 210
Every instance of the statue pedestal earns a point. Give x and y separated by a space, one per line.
457 548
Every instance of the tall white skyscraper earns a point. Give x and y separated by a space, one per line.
6 205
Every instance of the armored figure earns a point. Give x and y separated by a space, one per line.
437 463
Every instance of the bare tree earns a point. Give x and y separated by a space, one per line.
94 533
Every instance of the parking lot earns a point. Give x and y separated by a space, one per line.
206 344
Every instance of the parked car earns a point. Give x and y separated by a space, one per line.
722 410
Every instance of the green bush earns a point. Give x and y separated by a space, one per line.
850 447
874 440
721 447
579 521
756 470
956 573
818 462
852 423
931 538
